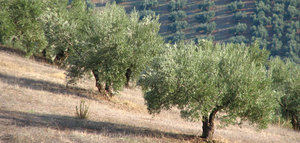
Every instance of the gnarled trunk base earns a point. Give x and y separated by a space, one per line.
128 76
208 127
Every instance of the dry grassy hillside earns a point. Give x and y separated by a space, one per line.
35 106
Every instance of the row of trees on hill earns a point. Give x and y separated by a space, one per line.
275 25
202 80
112 45
177 18
207 26
239 18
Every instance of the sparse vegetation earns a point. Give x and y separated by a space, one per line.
82 110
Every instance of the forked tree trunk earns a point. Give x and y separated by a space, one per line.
99 85
128 76
208 127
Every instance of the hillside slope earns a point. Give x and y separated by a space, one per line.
222 18
37 107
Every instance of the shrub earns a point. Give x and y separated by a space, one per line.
176 5
292 12
82 110
261 6
239 16
177 37
259 31
238 39
178 25
145 13
207 28
208 38
278 8
149 4
235 6
240 28
206 17
177 15
206 5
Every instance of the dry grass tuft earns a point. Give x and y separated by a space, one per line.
82 110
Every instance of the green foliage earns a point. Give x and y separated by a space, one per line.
59 32
119 1
178 25
238 39
149 4
115 43
177 37
259 31
199 39
20 25
82 110
239 29
207 28
206 78
278 8
206 17
239 16
292 12
235 6
261 19
261 6
206 5
177 15
286 82
145 13
176 5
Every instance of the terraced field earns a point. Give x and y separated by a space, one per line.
223 17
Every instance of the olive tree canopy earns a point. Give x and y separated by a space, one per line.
202 80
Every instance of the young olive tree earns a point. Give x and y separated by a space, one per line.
286 82
117 48
203 80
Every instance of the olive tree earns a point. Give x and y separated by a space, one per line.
20 26
117 48
58 28
286 82
205 79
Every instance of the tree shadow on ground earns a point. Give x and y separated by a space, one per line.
22 119
42 85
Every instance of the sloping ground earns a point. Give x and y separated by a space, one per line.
223 17
36 106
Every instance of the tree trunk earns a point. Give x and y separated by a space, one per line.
295 122
98 82
108 89
208 127
128 76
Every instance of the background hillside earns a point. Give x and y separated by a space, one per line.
275 24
